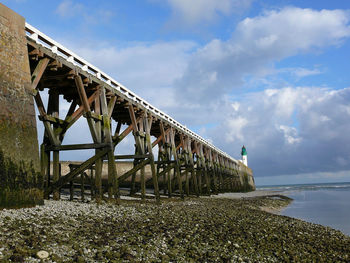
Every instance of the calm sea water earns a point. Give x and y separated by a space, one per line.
325 204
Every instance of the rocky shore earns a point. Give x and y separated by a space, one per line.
194 230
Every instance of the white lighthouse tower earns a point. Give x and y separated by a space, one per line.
244 156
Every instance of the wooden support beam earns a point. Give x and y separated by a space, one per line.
70 147
165 170
133 117
81 91
113 184
68 177
157 141
40 104
53 108
131 156
38 72
48 129
44 163
111 105
82 186
164 162
177 167
120 137
148 122
72 118
86 105
133 170
98 162
117 129
97 113
179 146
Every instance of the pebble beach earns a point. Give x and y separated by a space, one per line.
225 228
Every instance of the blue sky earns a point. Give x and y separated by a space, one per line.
272 75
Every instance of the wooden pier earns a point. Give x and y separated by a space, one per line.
186 164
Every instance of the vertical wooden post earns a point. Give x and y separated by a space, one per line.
92 183
199 167
221 178
44 162
140 145
205 169
49 171
56 173
215 173
99 162
53 108
199 175
166 158
212 170
148 121
133 177
193 171
113 186
184 143
71 190
162 159
82 186
177 164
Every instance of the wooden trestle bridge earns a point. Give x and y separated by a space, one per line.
187 164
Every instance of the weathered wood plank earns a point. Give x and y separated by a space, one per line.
68 177
70 147
131 156
111 105
38 72
153 168
133 170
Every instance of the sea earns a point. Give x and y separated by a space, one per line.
326 204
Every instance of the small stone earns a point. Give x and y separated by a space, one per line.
42 254
80 259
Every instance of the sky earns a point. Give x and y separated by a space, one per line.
270 75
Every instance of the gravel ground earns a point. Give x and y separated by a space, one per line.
194 230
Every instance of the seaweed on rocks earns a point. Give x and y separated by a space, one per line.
195 230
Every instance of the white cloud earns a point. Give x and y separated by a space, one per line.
196 11
310 137
290 134
68 8
147 69
235 128
304 72
256 45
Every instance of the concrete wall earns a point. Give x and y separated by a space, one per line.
19 156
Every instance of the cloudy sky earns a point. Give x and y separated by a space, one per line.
272 75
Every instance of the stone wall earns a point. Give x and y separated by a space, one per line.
246 178
19 156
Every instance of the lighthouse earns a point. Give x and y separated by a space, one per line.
244 156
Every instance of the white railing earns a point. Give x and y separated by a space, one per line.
44 40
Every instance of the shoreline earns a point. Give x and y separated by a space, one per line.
273 209
210 229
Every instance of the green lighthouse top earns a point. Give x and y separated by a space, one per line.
244 151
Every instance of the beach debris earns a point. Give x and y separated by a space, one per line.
42 254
